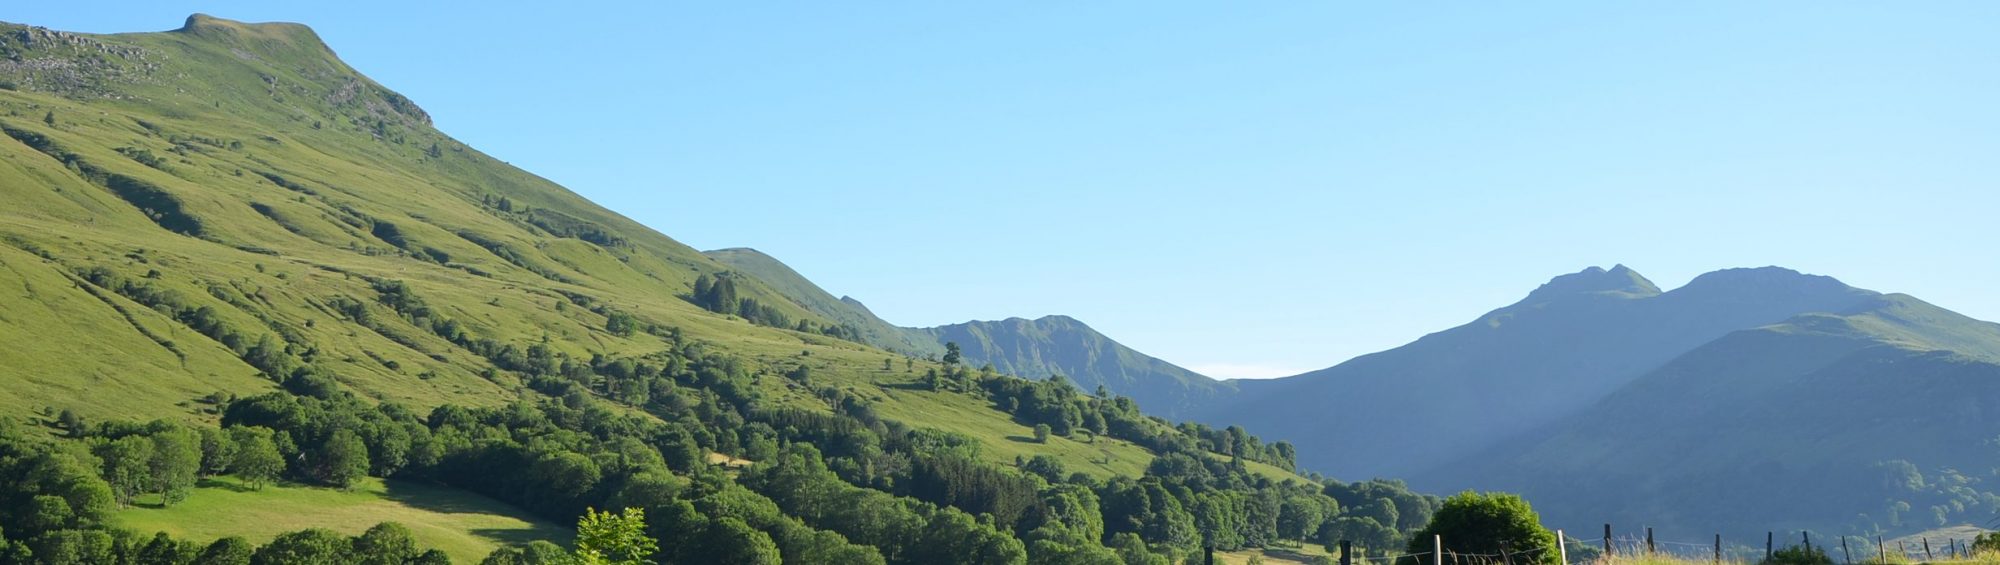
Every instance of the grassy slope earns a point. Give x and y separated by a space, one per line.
464 525
221 105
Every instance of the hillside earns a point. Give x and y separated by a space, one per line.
1877 418
1567 344
1036 349
227 231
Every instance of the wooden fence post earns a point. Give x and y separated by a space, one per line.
1881 555
1808 536
1845 557
1607 541
1927 549
1718 548
1437 549
1562 547
1767 545
1649 540
1346 553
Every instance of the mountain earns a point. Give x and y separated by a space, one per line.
1876 417
223 236
844 310
1036 349
1567 344
1061 345
245 168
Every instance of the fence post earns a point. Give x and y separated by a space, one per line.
1768 538
1437 549
1881 555
1718 548
1649 540
1562 546
1808 536
1927 549
1845 557
1902 549
1607 541
1346 553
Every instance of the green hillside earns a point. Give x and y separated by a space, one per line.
465 526
226 231
1036 349
843 310
1877 419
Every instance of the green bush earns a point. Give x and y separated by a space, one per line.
1799 555
1491 523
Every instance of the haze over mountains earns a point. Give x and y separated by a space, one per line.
1601 397
225 204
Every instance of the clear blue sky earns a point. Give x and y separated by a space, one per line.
1242 189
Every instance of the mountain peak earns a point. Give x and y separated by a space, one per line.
1618 279
1766 279
236 33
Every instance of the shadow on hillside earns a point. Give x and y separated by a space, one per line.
214 483
517 538
445 500
912 385
1022 439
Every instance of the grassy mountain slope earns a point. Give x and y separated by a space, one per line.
204 213
843 310
1876 418
1569 343
244 168
1039 348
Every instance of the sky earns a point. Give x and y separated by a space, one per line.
1247 190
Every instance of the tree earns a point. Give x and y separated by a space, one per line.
163 550
888 364
537 552
306 547
257 460
49 118
1041 433
387 543
127 462
951 353
343 459
175 464
730 540
71 423
613 539
1491 523
226 551
218 450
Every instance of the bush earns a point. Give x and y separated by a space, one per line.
1799 555
1489 523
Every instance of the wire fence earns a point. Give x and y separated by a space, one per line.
1574 550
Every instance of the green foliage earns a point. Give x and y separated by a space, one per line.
257 459
613 539
1799 555
1488 523
307 547
387 543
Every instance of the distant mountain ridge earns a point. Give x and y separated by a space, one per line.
1568 343
1876 418
1038 348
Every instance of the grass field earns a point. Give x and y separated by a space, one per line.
466 526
